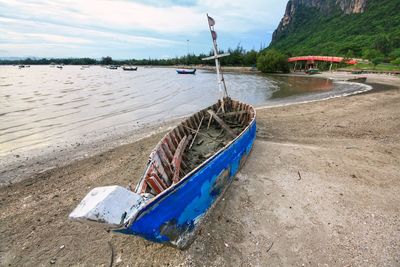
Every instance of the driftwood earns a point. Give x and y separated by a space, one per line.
177 160
222 123
197 131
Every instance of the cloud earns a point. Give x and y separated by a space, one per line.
158 26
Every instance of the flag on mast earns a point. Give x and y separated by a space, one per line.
214 35
211 21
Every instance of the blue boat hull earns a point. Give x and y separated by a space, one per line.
184 71
175 215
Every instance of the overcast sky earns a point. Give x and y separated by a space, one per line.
132 29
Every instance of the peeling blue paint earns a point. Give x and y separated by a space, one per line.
175 213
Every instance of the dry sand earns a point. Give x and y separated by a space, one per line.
321 187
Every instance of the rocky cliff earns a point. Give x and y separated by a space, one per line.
339 27
326 7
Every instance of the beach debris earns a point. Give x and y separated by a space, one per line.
298 172
53 261
269 248
112 254
119 259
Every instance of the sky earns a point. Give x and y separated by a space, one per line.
126 29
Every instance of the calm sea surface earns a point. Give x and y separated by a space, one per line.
42 106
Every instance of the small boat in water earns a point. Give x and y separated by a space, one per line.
60 67
112 67
186 71
21 66
358 80
187 172
312 71
129 68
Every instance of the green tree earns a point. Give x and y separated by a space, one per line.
382 44
106 60
396 62
250 58
377 60
371 54
395 54
272 60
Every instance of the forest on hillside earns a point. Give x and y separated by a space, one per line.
374 34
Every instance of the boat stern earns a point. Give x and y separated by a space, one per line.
109 206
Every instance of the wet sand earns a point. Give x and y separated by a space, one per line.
321 186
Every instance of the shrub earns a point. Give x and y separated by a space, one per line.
272 60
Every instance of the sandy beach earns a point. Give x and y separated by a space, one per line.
321 187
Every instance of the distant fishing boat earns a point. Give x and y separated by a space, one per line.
129 68
186 71
187 172
113 67
312 71
21 66
358 80
60 67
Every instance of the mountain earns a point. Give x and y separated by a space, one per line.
339 27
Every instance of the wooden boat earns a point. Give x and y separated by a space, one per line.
112 67
357 72
358 80
187 172
312 71
186 71
129 68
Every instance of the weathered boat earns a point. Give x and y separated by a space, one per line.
187 173
186 71
129 68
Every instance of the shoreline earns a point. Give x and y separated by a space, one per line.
20 165
321 186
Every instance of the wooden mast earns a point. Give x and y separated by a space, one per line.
220 76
